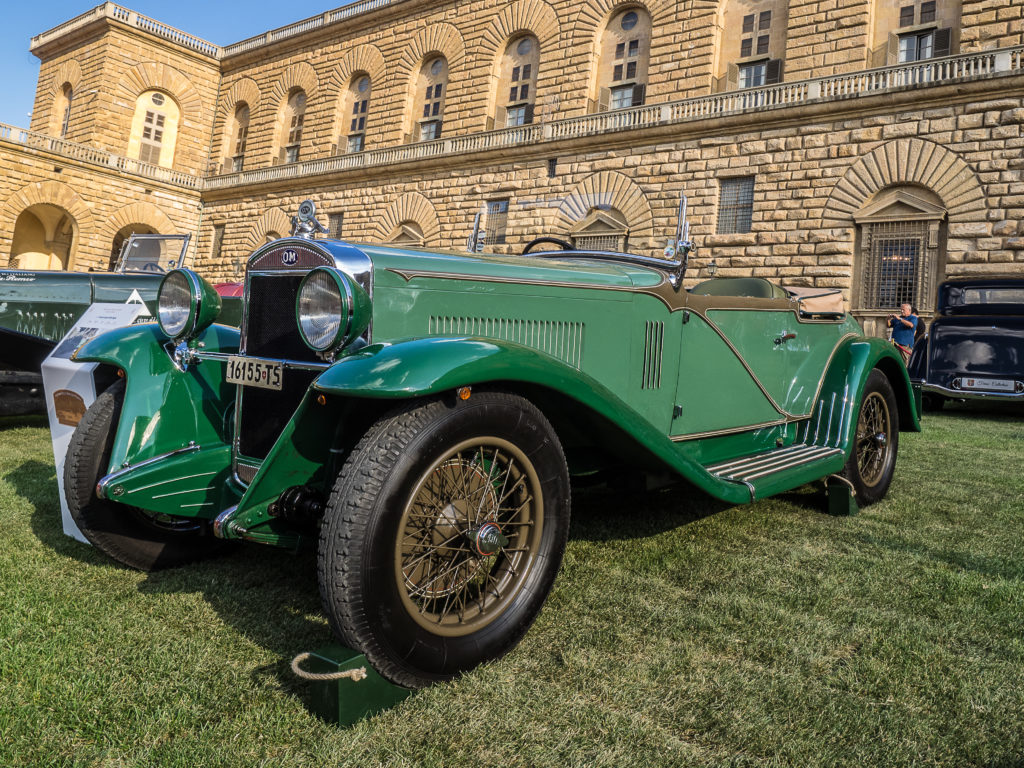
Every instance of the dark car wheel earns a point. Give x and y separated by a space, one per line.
143 540
443 535
873 458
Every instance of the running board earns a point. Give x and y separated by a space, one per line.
815 454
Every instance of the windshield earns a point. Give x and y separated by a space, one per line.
153 253
987 296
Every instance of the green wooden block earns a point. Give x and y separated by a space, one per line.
347 701
840 498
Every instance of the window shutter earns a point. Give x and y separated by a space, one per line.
732 78
943 42
892 55
638 95
500 118
603 100
336 149
773 72
529 114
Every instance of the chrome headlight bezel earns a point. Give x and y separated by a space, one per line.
331 310
203 304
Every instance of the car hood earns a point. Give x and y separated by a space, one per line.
409 263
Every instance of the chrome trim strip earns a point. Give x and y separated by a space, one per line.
174 480
409 275
762 459
180 493
101 486
971 394
731 430
821 453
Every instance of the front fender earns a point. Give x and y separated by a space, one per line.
165 408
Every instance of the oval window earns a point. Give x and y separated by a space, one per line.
629 20
437 66
363 84
158 99
524 47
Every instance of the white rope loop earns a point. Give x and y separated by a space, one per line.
354 675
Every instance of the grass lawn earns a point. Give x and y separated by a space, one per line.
681 632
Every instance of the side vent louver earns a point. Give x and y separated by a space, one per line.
654 340
560 339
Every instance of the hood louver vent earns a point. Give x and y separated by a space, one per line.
560 339
654 342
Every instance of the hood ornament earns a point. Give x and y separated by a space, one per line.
305 224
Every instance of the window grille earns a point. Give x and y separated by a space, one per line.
897 270
334 221
735 205
497 221
599 242
218 241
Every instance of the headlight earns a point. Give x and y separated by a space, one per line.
332 309
186 304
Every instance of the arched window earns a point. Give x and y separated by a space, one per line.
63 107
622 66
517 83
356 110
294 117
154 129
901 253
241 137
431 92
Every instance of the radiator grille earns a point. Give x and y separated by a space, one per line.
654 341
270 328
560 339
264 412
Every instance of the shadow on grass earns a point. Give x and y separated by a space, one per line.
267 595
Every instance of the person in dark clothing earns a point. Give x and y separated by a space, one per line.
904 326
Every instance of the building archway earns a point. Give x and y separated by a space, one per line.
122 235
44 235
611 202
410 217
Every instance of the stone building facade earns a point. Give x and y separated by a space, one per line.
871 145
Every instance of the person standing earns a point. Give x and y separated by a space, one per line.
904 326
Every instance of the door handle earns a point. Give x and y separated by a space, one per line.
784 337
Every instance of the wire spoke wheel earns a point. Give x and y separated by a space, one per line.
443 534
468 536
872 458
873 429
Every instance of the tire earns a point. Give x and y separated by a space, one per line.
873 457
411 571
131 536
932 403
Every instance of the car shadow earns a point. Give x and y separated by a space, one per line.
600 513
268 596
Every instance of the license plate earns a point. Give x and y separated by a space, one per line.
253 372
993 385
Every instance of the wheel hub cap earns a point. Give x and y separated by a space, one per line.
488 539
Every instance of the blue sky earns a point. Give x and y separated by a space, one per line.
218 21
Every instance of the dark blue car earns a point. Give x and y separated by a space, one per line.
974 348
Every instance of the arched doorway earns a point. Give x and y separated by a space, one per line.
123 234
43 238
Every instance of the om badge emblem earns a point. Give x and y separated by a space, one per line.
289 257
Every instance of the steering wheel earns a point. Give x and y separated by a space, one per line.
150 266
565 245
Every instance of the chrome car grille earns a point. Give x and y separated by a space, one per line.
270 330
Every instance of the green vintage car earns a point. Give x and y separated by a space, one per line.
418 414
